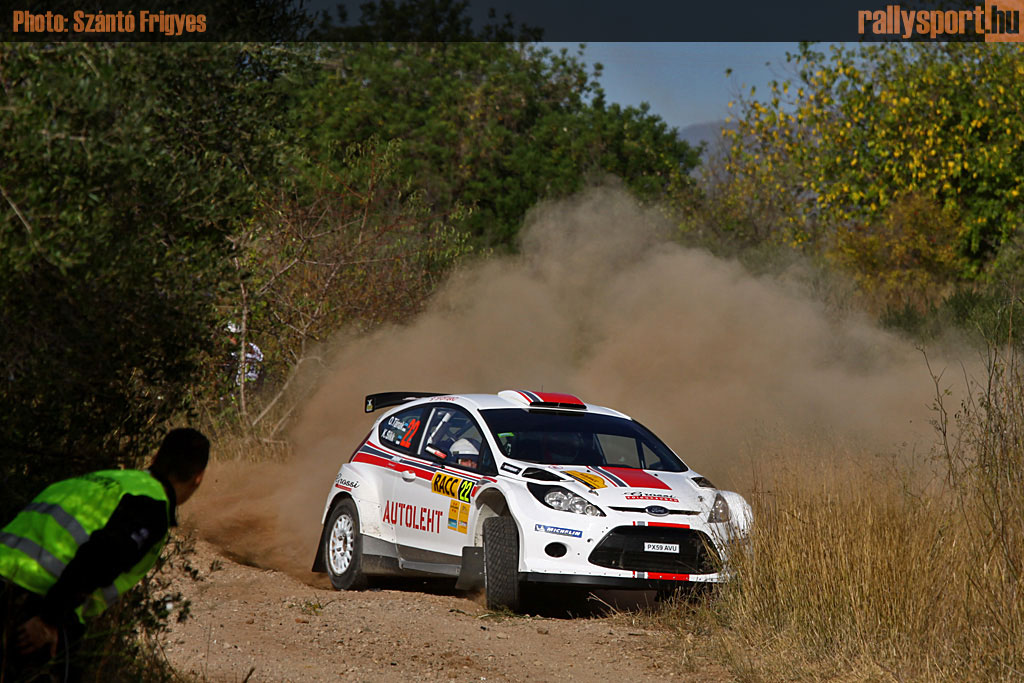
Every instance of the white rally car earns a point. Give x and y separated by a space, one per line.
504 490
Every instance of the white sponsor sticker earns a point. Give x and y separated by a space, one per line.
661 497
661 547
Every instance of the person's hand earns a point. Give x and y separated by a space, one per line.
35 634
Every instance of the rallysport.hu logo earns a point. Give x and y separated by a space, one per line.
994 22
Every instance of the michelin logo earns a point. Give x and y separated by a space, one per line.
557 530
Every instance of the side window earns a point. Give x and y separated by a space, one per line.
403 430
487 465
452 437
619 451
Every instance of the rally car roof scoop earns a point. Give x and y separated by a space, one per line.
541 399
393 398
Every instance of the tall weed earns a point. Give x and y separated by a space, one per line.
871 568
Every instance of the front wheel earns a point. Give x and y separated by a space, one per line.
343 547
501 563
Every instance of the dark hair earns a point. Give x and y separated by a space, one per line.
183 454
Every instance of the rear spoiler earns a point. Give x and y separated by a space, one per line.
394 398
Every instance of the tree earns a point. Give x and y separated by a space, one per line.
126 170
349 253
496 126
891 129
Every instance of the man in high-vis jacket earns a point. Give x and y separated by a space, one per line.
83 542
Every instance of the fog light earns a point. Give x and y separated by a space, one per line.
556 549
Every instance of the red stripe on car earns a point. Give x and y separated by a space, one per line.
637 478
615 481
371 459
560 398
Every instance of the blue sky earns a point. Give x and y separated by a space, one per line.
685 83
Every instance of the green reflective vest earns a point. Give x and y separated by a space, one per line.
38 544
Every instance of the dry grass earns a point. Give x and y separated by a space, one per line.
864 568
233 443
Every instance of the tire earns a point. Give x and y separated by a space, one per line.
343 547
501 563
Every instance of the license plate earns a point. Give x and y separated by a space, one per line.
661 547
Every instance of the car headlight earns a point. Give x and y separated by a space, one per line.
719 510
558 498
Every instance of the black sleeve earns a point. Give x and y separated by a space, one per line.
137 523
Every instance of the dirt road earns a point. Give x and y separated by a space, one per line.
251 624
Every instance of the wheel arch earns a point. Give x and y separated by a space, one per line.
319 563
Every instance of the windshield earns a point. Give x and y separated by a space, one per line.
578 439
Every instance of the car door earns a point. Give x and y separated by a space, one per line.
438 495
389 448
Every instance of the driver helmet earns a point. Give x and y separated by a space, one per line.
466 452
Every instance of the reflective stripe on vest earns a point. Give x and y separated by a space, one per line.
60 515
45 559
36 546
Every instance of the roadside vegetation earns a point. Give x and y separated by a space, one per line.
155 196
897 167
866 567
872 567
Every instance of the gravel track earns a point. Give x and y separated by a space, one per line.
252 624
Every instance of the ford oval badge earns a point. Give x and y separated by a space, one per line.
656 510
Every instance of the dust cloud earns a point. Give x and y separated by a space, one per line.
599 303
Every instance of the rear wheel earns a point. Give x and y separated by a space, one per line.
501 563
343 547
